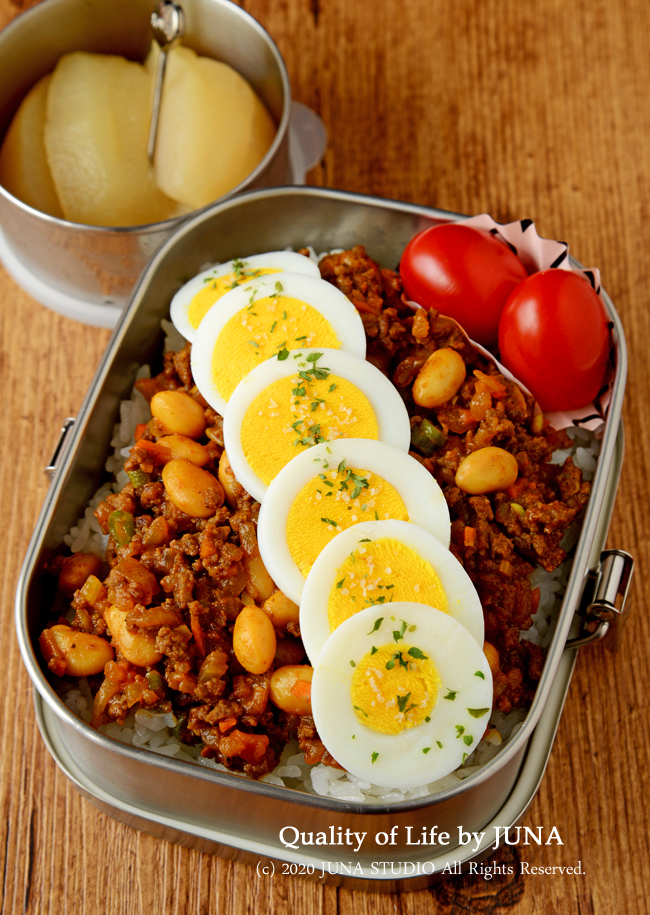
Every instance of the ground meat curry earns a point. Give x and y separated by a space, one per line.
161 610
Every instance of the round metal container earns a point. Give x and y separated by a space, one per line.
99 266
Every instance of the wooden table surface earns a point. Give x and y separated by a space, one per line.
516 109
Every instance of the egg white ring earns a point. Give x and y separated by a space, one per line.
462 600
285 261
335 307
392 417
401 762
423 498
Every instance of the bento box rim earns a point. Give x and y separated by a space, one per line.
571 597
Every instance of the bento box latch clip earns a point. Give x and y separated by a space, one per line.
603 601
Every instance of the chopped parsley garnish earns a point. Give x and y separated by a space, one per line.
416 653
365 540
352 664
329 521
401 702
332 387
398 634
465 755
377 625
278 287
283 354
374 650
339 584
439 744
375 756
397 656
468 739
357 707
426 749
451 695
273 326
460 729
253 343
408 707
477 712
479 673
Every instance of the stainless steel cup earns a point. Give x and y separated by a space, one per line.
96 268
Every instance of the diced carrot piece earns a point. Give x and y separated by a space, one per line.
158 450
250 747
469 536
197 632
495 387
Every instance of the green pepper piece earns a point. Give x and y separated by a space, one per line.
122 526
155 681
426 437
138 477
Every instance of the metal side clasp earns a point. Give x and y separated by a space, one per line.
65 431
603 601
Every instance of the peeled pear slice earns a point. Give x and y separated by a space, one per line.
213 129
98 111
24 171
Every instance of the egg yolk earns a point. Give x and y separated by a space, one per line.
294 413
333 501
216 286
394 687
267 327
381 571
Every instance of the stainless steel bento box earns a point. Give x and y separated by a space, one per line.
215 810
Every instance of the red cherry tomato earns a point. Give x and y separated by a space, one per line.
554 336
464 273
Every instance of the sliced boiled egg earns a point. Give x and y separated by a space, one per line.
266 317
377 563
334 486
285 406
401 695
192 302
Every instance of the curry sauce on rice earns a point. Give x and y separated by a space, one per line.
162 613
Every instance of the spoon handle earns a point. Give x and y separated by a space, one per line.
168 25
155 108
